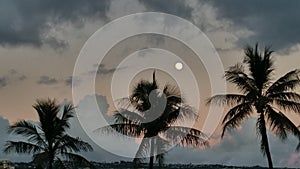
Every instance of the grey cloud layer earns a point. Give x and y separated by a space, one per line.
26 22
273 23
175 7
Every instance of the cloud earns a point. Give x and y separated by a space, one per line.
240 147
103 70
72 79
12 76
175 7
84 106
4 124
3 82
67 81
273 23
46 80
27 22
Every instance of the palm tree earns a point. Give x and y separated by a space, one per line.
258 94
47 139
150 113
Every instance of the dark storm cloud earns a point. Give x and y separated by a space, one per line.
27 22
274 23
46 80
175 7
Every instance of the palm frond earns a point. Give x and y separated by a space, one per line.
187 112
286 83
239 116
59 164
44 107
287 105
48 111
68 112
123 103
243 107
236 75
194 141
227 99
185 136
140 95
288 96
41 159
132 130
22 147
77 159
176 113
28 130
173 93
260 65
128 117
71 144
280 124
62 124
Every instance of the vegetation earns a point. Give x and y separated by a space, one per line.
151 113
47 139
258 94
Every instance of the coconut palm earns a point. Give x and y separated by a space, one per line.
151 114
258 94
47 139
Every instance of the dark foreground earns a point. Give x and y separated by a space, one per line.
129 165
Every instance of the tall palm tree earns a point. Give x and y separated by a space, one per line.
258 94
151 113
47 139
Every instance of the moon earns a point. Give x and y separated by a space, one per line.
178 65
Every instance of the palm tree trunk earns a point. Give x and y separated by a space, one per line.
265 141
51 159
151 153
50 164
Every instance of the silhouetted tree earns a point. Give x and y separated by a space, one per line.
47 139
269 100
151 113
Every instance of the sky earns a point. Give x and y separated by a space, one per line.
40 42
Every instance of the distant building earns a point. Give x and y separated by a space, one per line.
6 164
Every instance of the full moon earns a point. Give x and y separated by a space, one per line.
178 66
